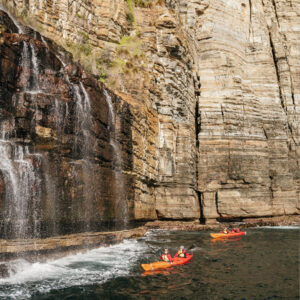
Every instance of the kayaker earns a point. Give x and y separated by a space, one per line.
181 252
225 230
166 256
236 229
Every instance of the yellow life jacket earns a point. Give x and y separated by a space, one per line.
180 253
165 257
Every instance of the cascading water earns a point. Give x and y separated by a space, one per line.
35 70
121 208
17 24
83 120
18 168
21 169
51 160
83 147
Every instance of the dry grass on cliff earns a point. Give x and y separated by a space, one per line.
23 15
147 3
129 63
123 65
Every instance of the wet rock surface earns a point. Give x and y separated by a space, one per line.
34 249
58 170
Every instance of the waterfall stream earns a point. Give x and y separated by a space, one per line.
121 203
20 167
17 24
32 193
23 189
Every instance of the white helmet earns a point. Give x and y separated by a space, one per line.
181 247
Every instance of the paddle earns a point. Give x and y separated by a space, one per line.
157 252
191 247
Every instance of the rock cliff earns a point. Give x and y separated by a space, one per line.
208 99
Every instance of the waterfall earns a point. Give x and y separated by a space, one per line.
35 70
35 123
83 122
83 147
17 24
25 65
22 190
121 209
20 168
30 80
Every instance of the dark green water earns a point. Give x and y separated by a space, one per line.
264 264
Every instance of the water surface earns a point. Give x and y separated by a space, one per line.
264 264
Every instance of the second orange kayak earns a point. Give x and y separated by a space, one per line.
227 235
163 265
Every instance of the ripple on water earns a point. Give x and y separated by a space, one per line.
261 265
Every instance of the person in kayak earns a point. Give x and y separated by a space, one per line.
236 229
166 256
181 252
225 230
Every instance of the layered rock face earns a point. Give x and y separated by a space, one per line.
248 125
215 125
62 167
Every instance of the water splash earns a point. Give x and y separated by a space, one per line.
92 267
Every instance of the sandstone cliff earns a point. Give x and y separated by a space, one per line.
212 91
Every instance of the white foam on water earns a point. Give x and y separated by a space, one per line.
281 227
93 266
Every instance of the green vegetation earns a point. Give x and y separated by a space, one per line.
103 62
147 3
130 61
125 64
130 13
139 3
2 28
117 66
23 15
81 50
78 15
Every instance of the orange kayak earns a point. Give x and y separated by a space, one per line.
163 265
227 235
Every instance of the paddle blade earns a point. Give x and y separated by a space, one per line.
191 247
